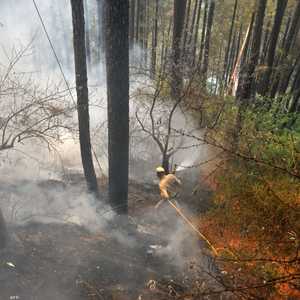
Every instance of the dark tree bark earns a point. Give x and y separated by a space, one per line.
265 43
210 19
192 27
101 26
246 86
292 33
146 32
186 25
82 95
194 45
141 28
87 35
132 22
281 6
117 68
229 45
295 91
3 231
154 41
137 23
203 33
179 17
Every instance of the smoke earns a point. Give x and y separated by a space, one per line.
24 168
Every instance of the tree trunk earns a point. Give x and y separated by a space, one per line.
82 95
210 19
100 24
87 35
117 68
229 45
281 6
292 34
146 33
280 78
247 89
203 33
137 23
3 232
154 41
179 17
192 27
132 22
186 25
295 101
196 34
141 27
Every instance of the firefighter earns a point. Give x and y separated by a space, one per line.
168 185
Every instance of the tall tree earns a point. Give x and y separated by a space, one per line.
292 34
101 26
117 68
178 23
265 81
294 105
132 22
203 32
209 26
195 38
246 85
3 232
82 95
87 35
229 45
154 40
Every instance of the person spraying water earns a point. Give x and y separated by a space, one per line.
169 186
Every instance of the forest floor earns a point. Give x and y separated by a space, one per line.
152 256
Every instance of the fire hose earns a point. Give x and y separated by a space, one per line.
191 225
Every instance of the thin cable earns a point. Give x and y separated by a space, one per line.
53 50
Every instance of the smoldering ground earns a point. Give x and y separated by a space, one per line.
64 244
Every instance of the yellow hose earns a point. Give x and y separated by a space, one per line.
194 228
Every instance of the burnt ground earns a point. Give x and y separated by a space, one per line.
144 258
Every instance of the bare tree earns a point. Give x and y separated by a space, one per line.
82 95
29 111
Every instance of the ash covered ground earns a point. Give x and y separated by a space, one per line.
74 250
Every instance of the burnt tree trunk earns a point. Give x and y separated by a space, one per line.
82 95
295 100
192 27
292 34
101 27
186 25
117 68
203 33
209 26
265 81
195 38
132 22
154 41
246 86
87 35
137 22
281 75
229 45
179 17
3 232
